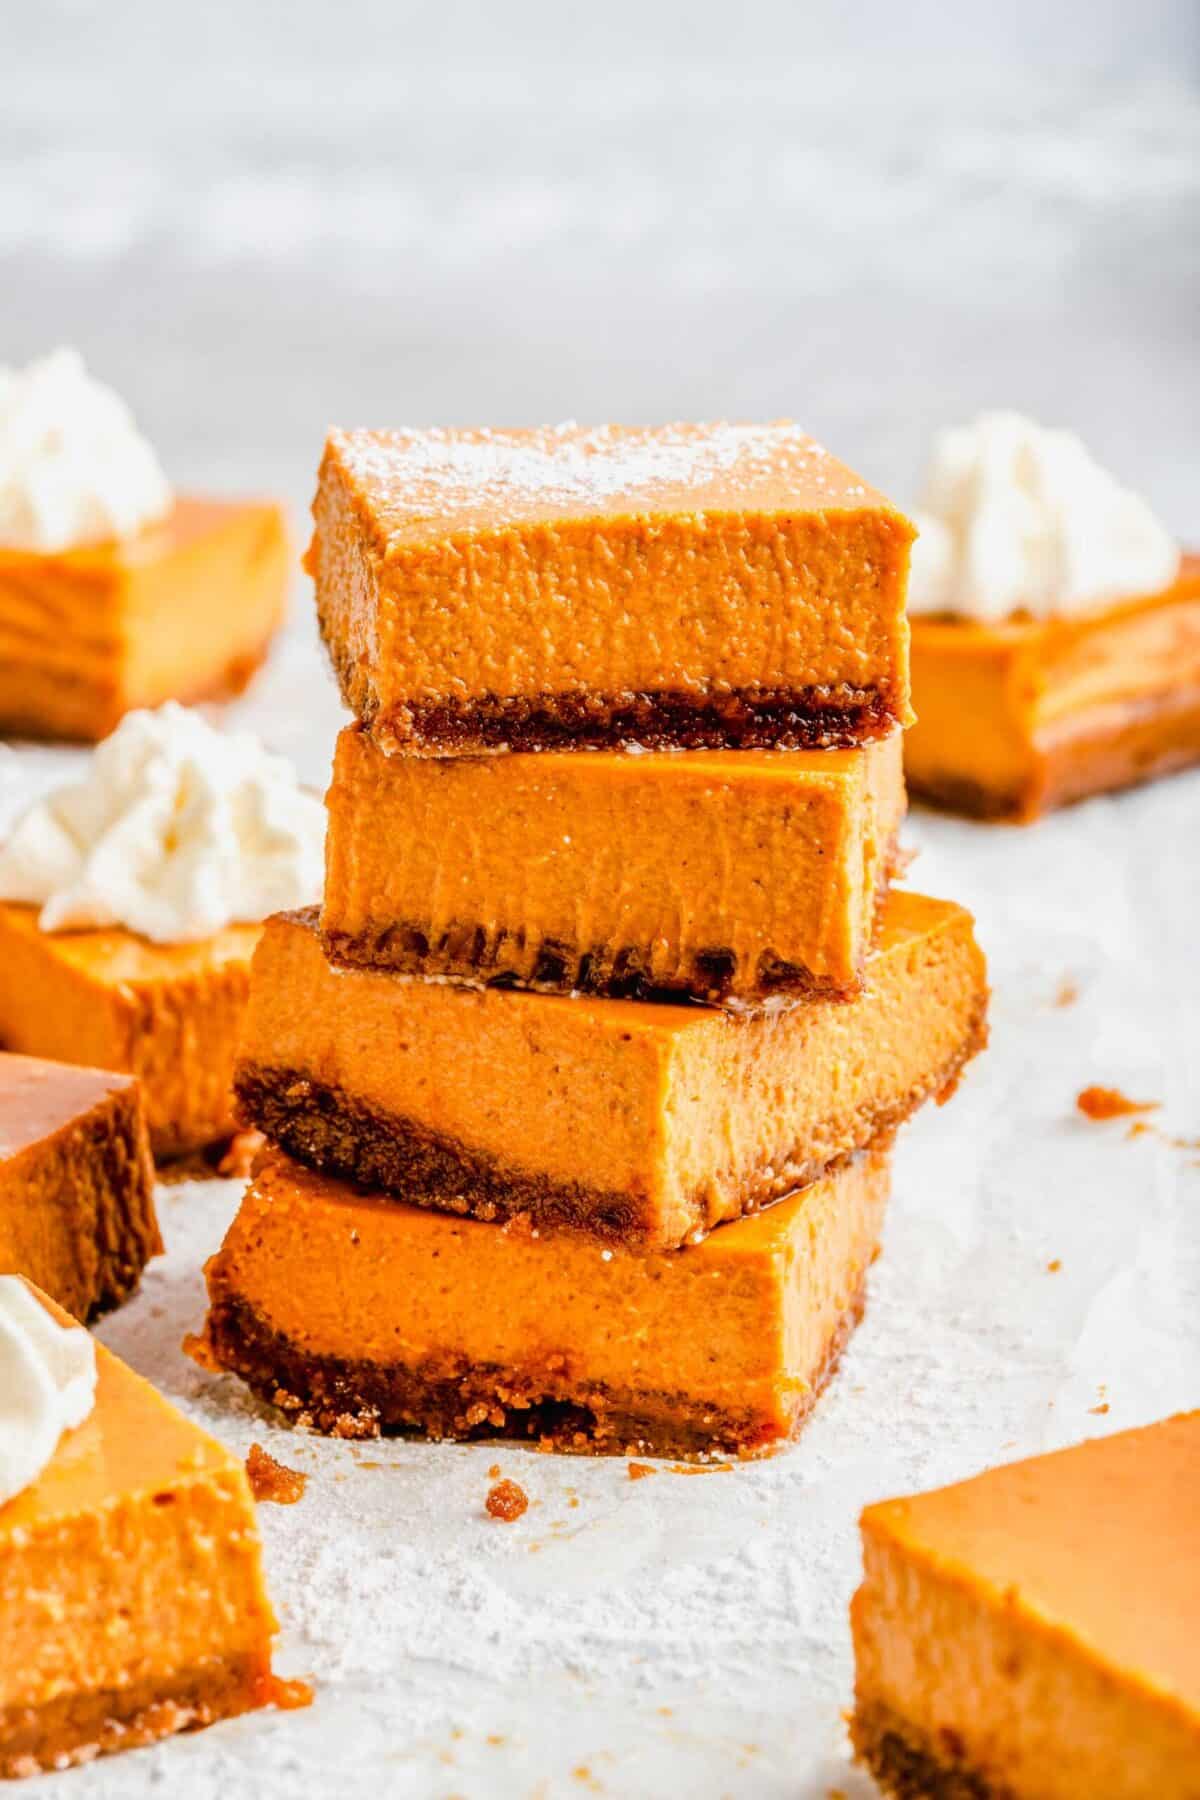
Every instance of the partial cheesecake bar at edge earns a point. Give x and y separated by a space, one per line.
723 876
707 586
168 1013
131 1586
1031 1634
357 1314
638 1122
76 1183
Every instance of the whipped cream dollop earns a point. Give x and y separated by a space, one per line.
1016 518
47 1384
175 831
74 468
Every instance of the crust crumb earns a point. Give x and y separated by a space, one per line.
1054 1266
507 1501
289 1696
638 1471
1110 1103
271 1480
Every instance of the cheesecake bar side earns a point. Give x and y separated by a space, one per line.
964 1692
394 1320
60 645
725 877
470 1101
755 1107
467 631
77 1200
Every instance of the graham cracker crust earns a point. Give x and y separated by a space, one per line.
811 718
333 1132
907 1767
450 1398
77 1728
127 1233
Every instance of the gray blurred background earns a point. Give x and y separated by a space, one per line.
260 219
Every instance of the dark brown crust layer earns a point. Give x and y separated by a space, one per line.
907 1767
468 955
814 718
336 1134
453 1399
77 1728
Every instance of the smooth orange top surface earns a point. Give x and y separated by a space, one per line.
422 484
39 1098
763 856
1100 1542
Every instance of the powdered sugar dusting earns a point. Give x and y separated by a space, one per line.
584 467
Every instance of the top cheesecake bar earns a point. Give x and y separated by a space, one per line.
699 586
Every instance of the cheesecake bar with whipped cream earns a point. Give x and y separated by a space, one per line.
115 592
1055 628
131 901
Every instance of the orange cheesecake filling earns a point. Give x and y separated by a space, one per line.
701 585
1018 717
168 1013
183 611
131 1585
634 1120
397 1316
994 1648
723 875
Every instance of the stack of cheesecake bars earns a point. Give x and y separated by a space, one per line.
582 1082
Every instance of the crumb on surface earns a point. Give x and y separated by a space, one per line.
271 1480
237 1160
1054 1265
506 1500
1110 1103
1067 993
638 1470
290 1696
1102 1407
494 1472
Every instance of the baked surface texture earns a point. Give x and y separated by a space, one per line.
688 586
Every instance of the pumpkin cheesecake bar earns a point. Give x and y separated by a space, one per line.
394 1317
76 1183
1018 717
634 1121
710 586
1031 1634
725 876
168 1013
1055 628
131 1585
185 610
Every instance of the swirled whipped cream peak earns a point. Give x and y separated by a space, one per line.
47 1384
74 468
1020 519
174 831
